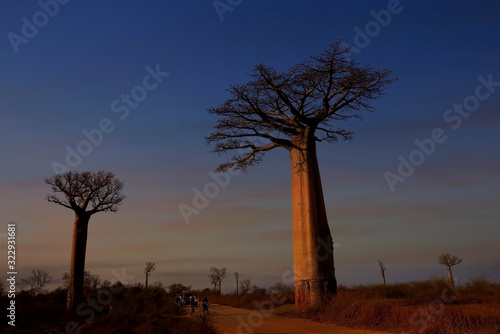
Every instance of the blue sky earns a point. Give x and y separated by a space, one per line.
65 78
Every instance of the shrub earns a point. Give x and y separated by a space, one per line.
431 306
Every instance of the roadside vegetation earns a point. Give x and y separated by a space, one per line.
254 297
423 307
112 309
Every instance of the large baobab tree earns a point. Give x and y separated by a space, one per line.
294 110
449 261
85 193
150 266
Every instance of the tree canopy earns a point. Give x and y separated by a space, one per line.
86 191
272 108
449 260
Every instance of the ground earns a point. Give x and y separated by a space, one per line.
230 320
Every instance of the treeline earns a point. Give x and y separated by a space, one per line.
107 308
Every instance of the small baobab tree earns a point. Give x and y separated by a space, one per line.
217 276
213 280
236 275
150 267
382 271
449 261
92 282
245 286
294 110
37 281
86 193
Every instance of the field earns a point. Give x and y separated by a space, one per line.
426 307
133 311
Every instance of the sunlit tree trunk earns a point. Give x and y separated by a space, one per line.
314 270
77 266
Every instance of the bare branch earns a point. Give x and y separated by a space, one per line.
274 107
89 192
449 260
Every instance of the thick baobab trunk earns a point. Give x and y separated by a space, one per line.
77 266
450 276
315 279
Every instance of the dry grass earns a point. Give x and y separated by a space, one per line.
417 307
424 307
427 307
252 300
134 312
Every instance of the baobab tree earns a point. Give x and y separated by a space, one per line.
294 110
86 193
150 266
216 276
382 271
245 286
449 261
236 275
37 281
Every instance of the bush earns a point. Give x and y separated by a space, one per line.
132 311
254 299
432 306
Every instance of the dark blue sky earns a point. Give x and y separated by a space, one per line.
65 78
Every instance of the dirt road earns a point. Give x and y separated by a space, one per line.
232 320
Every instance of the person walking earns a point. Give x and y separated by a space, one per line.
205 305
191 303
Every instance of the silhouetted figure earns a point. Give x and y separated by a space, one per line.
191 303
205 305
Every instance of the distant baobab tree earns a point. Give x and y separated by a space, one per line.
382 271
213 280
150 266
245 286
236 275
449 261
217 276
92 281
85 193
293 110
37 281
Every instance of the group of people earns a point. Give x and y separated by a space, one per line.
204 304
